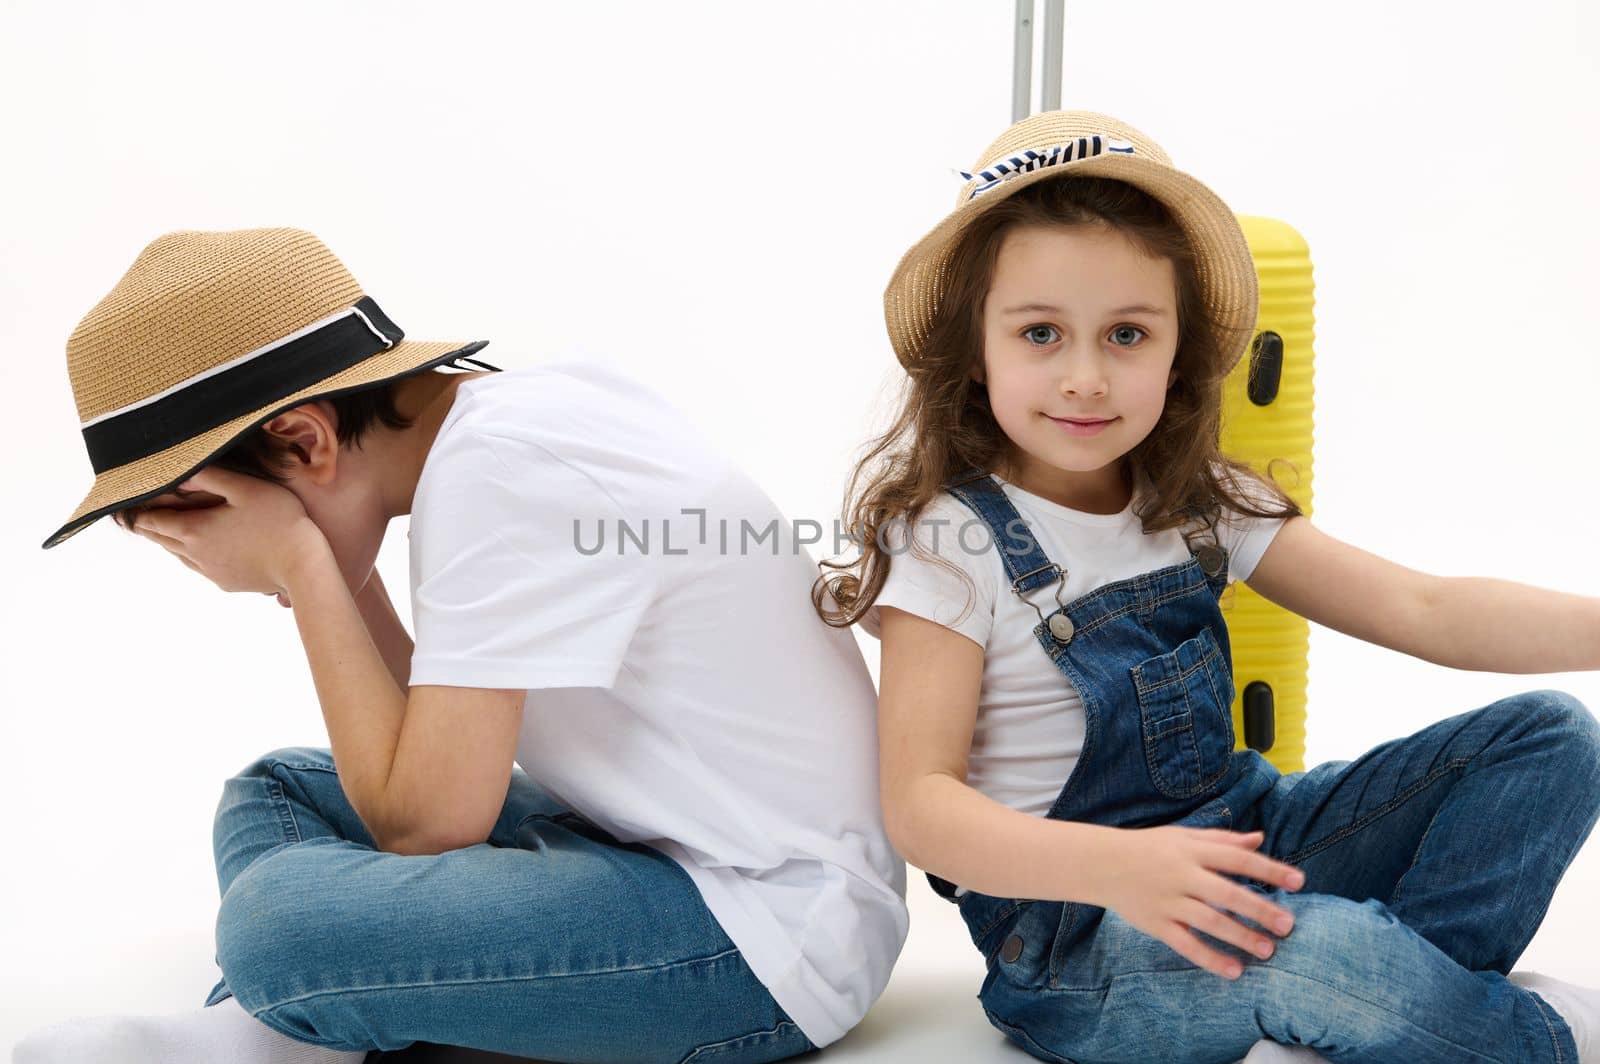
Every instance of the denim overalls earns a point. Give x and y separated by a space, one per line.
1149 657
1380 837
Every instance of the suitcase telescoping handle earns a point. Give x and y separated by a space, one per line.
1022 58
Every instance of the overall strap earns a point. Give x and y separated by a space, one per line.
1025 561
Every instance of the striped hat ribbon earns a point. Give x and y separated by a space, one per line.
1038 158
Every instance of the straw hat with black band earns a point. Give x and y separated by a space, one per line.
1080 143
210 335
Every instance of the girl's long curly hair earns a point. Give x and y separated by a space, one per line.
944 424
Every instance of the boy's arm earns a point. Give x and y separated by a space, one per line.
388 632
426 771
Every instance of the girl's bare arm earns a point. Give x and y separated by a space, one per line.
1165 880
1461 622
929 680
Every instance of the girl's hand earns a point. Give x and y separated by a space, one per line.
1165 881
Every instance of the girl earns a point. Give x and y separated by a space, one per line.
1056 745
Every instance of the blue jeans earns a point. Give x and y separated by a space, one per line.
551 940
1430 862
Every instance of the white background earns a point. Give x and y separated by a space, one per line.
716 195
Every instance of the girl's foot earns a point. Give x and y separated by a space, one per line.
222 1034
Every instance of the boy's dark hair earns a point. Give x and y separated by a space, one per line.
258 453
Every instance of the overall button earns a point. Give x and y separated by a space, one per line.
1012 949
1061 627
1210 559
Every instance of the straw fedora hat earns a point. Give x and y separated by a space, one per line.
1078 143
211 334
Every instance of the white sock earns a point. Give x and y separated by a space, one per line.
1578 1005
221 1034
1267 1051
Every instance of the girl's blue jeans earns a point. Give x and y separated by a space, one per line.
1430 862
551 940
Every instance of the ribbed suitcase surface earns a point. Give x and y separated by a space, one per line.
1266 415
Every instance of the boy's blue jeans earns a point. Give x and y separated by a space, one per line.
1430 862
552 940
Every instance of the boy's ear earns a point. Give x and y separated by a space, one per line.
303 427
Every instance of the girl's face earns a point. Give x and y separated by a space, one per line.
1078 323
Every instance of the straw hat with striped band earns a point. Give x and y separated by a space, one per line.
211 334
1079 143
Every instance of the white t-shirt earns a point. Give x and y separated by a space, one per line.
682 693
1030 724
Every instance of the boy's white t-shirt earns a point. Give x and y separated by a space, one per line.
682 693
1030 724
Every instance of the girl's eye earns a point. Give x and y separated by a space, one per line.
1031 332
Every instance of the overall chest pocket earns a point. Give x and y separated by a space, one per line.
1185 699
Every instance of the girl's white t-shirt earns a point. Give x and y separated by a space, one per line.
682 691
1030 723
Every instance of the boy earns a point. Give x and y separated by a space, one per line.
688 852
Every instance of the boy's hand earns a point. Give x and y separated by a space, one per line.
249 541
1167 884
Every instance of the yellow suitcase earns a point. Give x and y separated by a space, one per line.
1267 416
